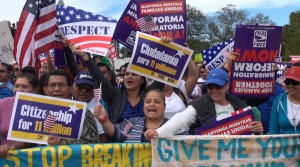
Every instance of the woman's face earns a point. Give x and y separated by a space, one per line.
154 105
133 81
22 85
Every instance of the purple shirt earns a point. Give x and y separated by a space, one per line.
5 115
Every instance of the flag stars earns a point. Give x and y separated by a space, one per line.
67 18
30 5
71 12
87 16
59 20
62 13
78 17
100 18
218 48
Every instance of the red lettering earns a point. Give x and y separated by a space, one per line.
178 35
131 22
262 55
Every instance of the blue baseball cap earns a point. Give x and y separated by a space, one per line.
217 76
84 77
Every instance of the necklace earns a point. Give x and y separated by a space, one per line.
294 117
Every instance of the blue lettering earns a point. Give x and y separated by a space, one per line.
241 149
264 146
202 149
167 152
286 152
188 152
176 150
275 146
230 146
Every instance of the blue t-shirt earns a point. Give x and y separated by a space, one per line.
131 112
5 92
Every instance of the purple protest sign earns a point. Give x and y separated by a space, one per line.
30 112
238 124
157 60
169 15
252 72
126 27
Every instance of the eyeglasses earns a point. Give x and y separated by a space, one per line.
211 86
59 85
85 86
291 81
2 71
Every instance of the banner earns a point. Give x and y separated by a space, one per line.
281 67
160 61
237 124
117 154
6 44
29 114
169 16
126 27
92 32
216 55
227 150
252 72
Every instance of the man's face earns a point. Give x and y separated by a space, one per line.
4 74
58 87
105 72
83 92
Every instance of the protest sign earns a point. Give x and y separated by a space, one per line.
126 27
227 150
169 16
110 154
237 124
216 55
252 72
157 60
92 32
6 44
31 110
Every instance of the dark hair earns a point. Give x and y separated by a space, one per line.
58 73
100 64
160 92
9 67
143 85
32 79
297 64
28 69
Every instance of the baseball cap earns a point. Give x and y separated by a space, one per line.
293 73
105 61
217 76
84 77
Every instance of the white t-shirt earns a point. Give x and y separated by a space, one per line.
293 113
174 104
223 112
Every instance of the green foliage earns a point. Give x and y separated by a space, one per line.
291 37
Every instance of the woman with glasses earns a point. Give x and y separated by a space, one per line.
285 114
25 82
216 105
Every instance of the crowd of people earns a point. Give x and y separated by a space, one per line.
134 109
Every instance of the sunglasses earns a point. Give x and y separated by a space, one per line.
291 81
211 86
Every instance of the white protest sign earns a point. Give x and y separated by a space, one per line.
6 44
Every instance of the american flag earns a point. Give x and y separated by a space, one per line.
98 93
35 32
146 23
112 51
49 122
92 32
217 53
126 126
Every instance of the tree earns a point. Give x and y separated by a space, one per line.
196 23
290 36
221 26
260 19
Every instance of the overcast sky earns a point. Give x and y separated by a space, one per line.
278 10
